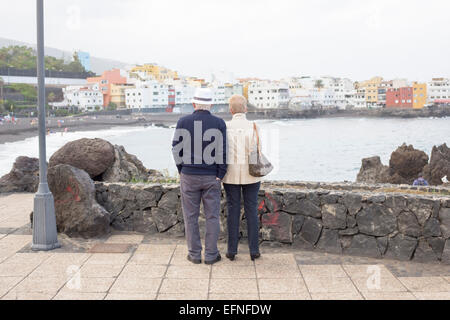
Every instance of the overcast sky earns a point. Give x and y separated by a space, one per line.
262 38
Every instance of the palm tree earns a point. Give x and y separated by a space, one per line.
319 84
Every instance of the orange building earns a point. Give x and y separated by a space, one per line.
420 95
105 81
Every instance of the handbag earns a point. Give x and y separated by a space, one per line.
258 164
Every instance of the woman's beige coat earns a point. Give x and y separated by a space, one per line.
241 141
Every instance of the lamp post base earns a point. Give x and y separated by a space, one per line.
45 236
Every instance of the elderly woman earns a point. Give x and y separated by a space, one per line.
241 141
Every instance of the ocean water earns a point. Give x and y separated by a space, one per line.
327 150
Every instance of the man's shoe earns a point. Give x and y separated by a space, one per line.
255 256
215 260
230 256
194 261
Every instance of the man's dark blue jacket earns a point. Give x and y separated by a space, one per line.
197 164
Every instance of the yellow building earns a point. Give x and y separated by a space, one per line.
245 90
118 94
419 95
195 82
371 89
157 72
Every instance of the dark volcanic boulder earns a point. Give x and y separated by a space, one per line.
23 177
94 156
406 164
373 171
76 208
126 167
439 166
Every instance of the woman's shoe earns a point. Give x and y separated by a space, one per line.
230 256
255 256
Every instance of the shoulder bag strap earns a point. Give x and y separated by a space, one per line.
257 138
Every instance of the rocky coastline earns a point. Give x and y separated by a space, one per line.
24 129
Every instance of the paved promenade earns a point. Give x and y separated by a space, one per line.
131 266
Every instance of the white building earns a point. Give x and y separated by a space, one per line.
147 95
439 90
360 98
268 94
323 91
344 92
85 98
218 91
184 94
232 89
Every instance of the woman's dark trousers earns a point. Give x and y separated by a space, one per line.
250 193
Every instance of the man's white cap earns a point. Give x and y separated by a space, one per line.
203 96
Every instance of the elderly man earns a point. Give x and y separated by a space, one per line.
199 150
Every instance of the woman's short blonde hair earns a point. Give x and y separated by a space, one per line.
238 104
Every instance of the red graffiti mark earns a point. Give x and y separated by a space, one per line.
273 202
261 205
74 194
270 219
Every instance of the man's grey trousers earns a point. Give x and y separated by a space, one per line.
196 188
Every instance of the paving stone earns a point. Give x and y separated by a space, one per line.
69 258
100 271
110 248
426 284
7 283
88 285
150 258
400 269
161 249
276 259
381 284
143 271
29 258
130 296
337 296
285 296
55 270
183 296
317 271
240 260
329 285
225 271
16 270
108 258
184 285
432 295
125 239
71 295
282 286
365 271
135 285
233 286
14 295
277 271
43 285
389 296
234 297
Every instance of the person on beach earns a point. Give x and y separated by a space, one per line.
420 181
199 150
240 137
